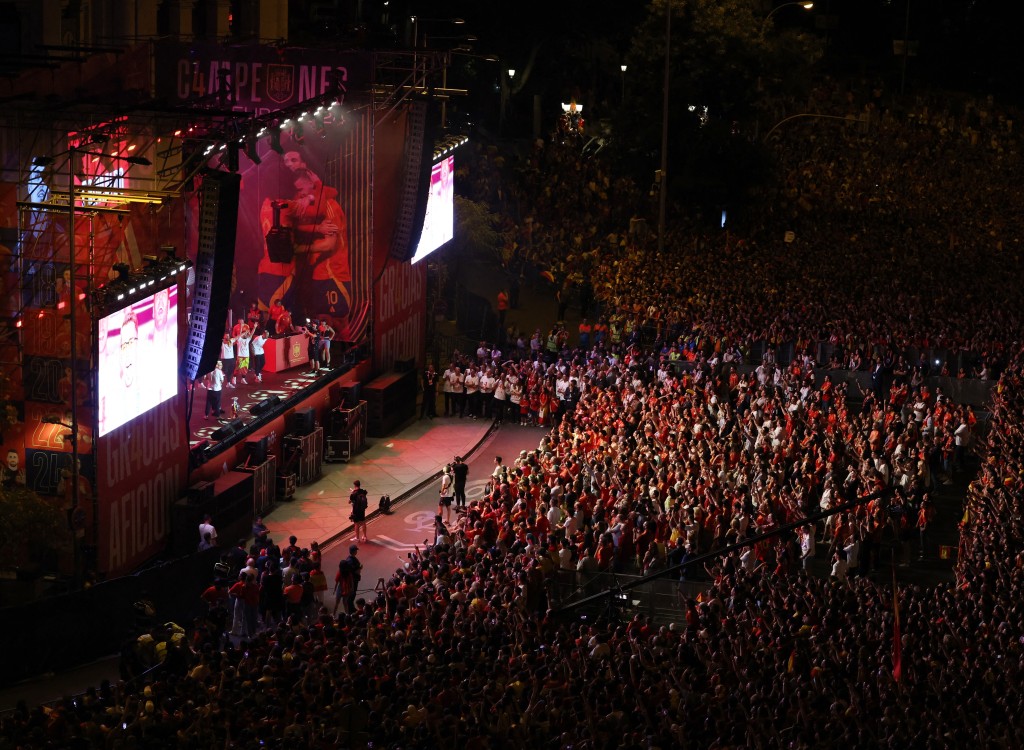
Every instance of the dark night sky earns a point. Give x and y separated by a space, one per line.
971 45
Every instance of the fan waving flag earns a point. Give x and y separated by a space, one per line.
897 644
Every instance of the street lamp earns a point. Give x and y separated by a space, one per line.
806 5
506 94
623 97
72 269
663 172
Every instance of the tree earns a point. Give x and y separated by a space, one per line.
722 58
475 229
29 526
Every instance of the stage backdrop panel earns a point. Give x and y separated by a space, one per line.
303 223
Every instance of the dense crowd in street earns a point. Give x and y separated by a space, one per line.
649 463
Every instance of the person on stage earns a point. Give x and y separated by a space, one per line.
214 386
259 359
242 345
326 337
284 325
313 339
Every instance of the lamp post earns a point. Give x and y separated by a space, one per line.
805 4
662 195
506 93
622 98
73 296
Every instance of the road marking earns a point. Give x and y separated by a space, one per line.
421 521
394 544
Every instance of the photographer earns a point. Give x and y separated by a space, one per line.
460 472
357 499
446 494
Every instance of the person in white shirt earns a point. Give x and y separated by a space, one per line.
206 527
806 546
852 551
258 357
214 386
839 566
748 559
488 383
500 398
227 357
561 386
242 346
554 514
472 383
446 389
458 381
446 494
515 395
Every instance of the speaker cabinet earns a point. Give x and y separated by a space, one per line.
228 429
215 258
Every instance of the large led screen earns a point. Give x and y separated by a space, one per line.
439 222
137 357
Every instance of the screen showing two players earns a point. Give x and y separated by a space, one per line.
439 222
138 352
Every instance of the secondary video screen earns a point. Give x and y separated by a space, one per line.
439 222
138 353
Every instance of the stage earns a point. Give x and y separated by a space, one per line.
207 438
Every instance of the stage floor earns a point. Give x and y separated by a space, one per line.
283 384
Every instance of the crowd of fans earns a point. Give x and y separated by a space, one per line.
649 463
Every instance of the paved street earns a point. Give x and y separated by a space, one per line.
393 537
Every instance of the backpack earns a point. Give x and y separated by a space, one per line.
359 501
384 506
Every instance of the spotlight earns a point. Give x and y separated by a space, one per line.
252 146
275 140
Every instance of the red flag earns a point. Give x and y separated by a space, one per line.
897 643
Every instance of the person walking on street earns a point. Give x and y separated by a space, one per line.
357 499
355 571
207 528
460 472
445 495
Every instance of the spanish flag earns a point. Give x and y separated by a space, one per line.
897 642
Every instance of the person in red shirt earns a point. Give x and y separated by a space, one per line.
293 596
216 595
246 595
